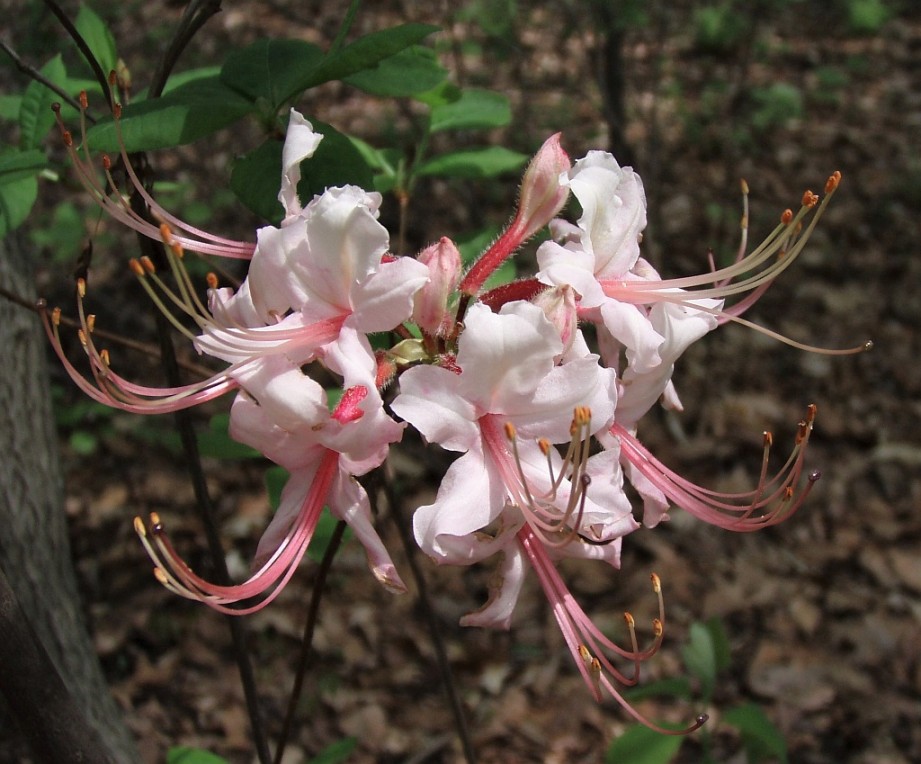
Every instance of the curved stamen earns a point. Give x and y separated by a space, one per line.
770 502
556 526
173 572
114 202
588 646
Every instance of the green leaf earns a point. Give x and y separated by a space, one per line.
761 738
83 443
275 479
16 200
474 163
384 163
720 642
35 116
10 106
186 755
699 658
18 165
474 110
366 52
190 112
179 79
271 70
217 443
411 71
641 745
97 35
447 92
276 71
336 162
257 176
337 752
323 534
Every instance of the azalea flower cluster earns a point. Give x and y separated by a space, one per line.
538 385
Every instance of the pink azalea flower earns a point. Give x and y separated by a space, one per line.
323 452
502 405
324 269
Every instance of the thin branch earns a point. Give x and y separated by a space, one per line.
303 661
194 18
147 348
441 655
35 74
345 26
205 508
101 76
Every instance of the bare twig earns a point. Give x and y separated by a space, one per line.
146 348
441 655
303 662
101 77
171 369
35 74
194 18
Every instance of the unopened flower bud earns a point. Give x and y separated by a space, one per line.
542 195
559 306
430 307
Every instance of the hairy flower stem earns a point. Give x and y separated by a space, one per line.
444 667
303 661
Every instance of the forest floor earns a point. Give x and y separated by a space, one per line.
823 612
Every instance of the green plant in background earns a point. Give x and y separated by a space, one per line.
336 753
776 106
866 17
706 655
719 29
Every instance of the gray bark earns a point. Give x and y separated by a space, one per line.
34 546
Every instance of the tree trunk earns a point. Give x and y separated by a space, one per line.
34 547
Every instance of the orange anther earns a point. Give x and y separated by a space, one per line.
656 583
106 162
657 628
68 138
136 267
139 528
148 265
786 217
544 445
211 278
629 619
810 199
510 431
117 111
91 322
84 100
56 316
832 183
768 439
81 288
811 410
